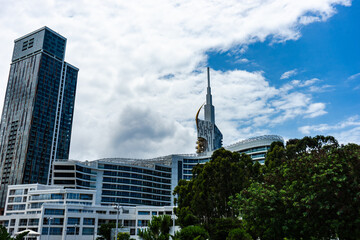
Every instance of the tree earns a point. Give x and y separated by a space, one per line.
239 234
206 196
191 233
105 230
4 235
158 228
221 227
311 192
123 236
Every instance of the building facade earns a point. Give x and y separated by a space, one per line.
57 213
38 110
130 182
134 182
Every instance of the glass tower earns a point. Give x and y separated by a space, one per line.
37 116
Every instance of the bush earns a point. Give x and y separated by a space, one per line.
191 233
238 234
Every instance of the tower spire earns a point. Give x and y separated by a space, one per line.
209 108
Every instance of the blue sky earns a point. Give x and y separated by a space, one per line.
281 67
327 50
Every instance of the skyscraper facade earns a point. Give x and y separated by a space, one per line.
37 116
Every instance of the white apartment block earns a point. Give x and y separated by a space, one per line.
58 213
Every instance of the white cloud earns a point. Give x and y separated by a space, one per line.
242 60
347 131
355 76
288 74
125 48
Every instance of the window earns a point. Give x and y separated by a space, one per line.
86 197
129 223
72 231
53 231
16 192
73 196
12 222
143 213
54 212
57 196
23 222
53 221
16 207
73 221
33 221
89 221
88 231
143 223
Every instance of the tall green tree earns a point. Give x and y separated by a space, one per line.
158 228
311 191
205 198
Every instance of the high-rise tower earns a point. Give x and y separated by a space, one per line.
209 136
38 109
209 111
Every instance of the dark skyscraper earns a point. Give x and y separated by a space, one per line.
38 110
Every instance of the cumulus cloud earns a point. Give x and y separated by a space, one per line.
141 64
346 131
350 122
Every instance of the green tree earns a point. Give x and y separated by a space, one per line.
206 196
158 228
105 230
4 235
311 192
123 236
221 227
191 233
239 234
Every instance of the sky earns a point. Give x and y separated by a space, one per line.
284 67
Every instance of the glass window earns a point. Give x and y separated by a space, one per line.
143 223
73 221
54 212
89 221
86 197
23 222
33 221
88 231
129 223
16 192
143 213
53 231
12 222
72 231
73 196
74 210
57 196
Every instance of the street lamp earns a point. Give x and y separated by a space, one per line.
117 207
49 220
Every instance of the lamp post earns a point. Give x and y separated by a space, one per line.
117 207
49 220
